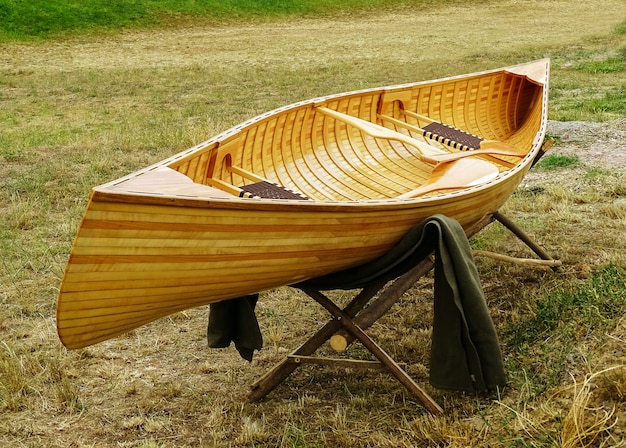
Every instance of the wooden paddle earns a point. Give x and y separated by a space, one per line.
428 154
463 173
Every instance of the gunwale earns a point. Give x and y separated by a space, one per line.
143 254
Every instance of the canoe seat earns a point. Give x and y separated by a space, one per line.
269 190
453 137
165 180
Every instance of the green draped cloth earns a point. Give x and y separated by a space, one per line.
465 352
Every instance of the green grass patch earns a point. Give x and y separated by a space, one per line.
560 321
611 102
610 65
552 162
20 20
583 310
588 82
577 101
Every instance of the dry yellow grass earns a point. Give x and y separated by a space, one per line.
78 112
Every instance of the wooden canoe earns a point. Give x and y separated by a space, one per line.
305 190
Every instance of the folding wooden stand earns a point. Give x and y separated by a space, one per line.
350 322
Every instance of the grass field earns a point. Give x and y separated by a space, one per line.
39 19
85 104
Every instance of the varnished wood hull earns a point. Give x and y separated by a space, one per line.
149 245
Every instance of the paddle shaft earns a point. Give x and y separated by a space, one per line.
378 131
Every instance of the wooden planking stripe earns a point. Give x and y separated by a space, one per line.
265 147
263 219
331 229
339 160
196 265
90 301
215 254
76 308
277 150
92 280
120 318
358 150
87 337
297 243
87 296
149 258
161 233
346 159
303 241
301 179
307 168
336 161
319 161
292 177
208 250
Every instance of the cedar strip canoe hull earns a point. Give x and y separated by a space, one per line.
176 235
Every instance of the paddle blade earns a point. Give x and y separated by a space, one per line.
461 173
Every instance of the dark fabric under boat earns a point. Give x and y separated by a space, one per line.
235 321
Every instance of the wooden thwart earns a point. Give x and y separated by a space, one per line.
350 323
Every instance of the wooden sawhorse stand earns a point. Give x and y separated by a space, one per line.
350 322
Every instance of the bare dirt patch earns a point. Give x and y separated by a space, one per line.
596 144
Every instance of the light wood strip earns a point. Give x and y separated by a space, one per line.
349 144
469 108
286 144
299 172
249 157
238 220
271 140
114 221
232 247
227 241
